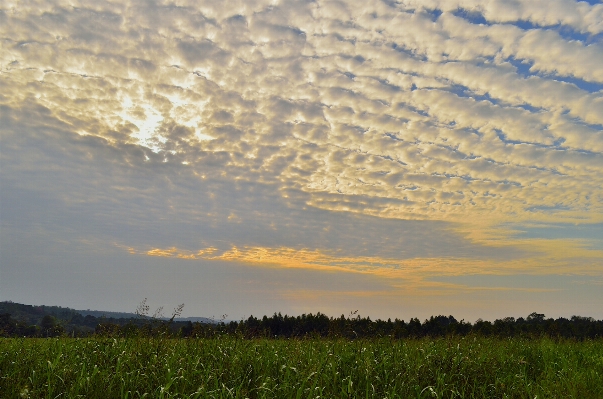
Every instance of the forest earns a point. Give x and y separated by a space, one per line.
19 320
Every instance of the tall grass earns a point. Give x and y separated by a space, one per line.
228 367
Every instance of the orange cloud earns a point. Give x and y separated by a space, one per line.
175 252
547 257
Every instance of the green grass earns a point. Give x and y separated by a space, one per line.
228 367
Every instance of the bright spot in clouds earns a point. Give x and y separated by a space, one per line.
396 150
147 120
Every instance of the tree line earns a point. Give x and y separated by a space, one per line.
354 326
72 324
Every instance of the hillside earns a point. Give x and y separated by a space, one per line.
33 314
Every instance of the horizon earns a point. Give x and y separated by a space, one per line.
403 159
351 315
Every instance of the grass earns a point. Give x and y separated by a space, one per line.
228 367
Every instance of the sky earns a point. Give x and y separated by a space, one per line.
399 158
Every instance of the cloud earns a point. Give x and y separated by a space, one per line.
420 98
545 257
386 131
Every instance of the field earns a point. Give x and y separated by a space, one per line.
229 367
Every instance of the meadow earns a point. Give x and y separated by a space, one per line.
231 367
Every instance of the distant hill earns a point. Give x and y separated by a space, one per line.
33 314
123 315
104 313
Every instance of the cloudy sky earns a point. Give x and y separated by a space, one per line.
400 158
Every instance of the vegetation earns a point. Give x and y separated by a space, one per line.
18 320
308 356
354 326
231 367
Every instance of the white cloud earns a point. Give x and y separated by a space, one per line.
376 109
578 15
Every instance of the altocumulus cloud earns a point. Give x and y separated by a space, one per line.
392 131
